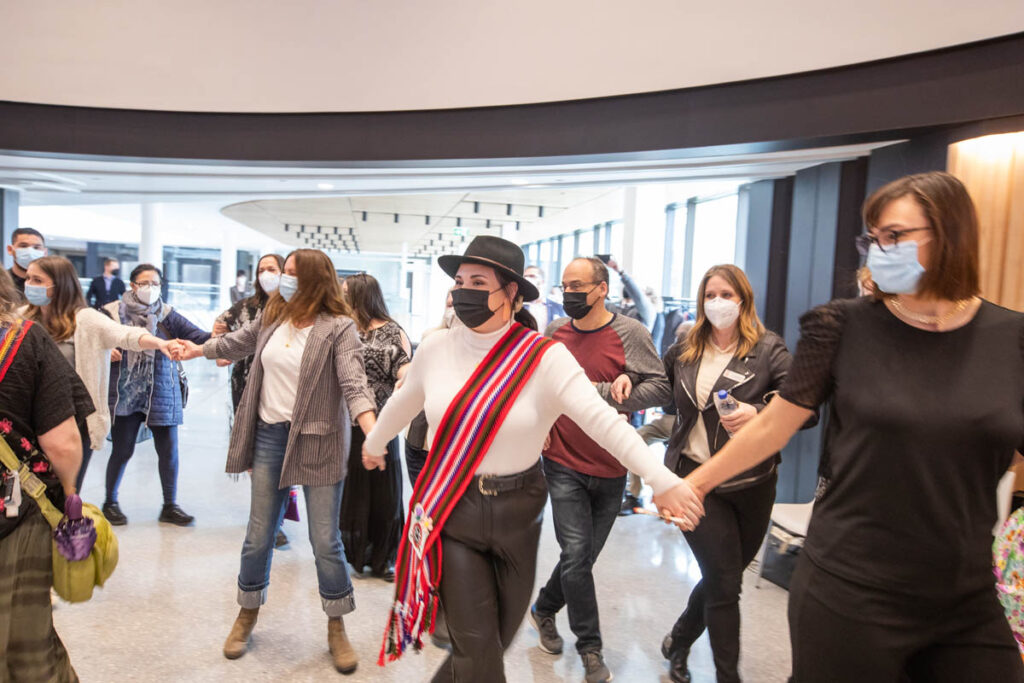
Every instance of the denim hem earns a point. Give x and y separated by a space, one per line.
252 599
339 607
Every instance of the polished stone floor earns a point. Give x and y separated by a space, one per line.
164 614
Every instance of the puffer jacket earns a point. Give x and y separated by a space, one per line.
165 406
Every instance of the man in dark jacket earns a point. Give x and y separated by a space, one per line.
107 287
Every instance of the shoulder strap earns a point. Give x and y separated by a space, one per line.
11 343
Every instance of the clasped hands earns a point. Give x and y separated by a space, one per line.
373 462
180 349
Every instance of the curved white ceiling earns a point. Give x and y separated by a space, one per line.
367 55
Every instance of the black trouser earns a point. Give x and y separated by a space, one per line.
845 633
86 457
415 459
724 543
371 508
489 562
123 435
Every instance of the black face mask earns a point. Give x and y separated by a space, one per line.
575 304
115 272
471 306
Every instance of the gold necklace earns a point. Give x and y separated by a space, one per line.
936 320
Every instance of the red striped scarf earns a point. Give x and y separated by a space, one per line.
462 439
11 342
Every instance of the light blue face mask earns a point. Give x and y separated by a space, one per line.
36 295
895 270
288 286
24 256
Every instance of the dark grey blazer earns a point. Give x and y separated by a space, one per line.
332 387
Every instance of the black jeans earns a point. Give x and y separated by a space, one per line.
123 434
83 431
584 509
845 633
489 561
724 543
415 459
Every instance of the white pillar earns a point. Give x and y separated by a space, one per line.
643 234
151 248
228 266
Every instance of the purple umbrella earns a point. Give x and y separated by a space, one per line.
75 535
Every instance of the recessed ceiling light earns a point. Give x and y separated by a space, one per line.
324 186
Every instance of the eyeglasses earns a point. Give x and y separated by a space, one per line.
884 239
574 286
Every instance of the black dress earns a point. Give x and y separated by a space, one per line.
921 427
371 505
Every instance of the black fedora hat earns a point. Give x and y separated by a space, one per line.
498 253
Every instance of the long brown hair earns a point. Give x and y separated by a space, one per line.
749 324
66 300
318 292
953 272
363 295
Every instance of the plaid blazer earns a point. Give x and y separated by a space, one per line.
332 390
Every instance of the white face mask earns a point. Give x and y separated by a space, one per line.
147 294
722 313
241 280
270 281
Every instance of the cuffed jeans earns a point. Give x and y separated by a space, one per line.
266 512
584 508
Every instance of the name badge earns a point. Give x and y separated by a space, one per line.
734 376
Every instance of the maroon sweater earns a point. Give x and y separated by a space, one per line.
623 346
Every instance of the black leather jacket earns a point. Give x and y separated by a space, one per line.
753 379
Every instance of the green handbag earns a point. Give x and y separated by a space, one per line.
73 581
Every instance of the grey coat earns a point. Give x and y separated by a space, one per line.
332 387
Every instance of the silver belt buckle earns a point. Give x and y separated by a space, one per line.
480 485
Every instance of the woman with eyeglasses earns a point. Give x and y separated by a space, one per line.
371 505
727 349
85 337
149 392
924 382
492 389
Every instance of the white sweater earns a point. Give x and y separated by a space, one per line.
445 361
95 336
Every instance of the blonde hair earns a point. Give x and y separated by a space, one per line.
749 325
10 298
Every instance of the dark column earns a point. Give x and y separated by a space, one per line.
769 207
9 202
853 182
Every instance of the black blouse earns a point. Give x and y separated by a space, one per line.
921 427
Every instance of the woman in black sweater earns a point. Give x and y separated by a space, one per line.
925 384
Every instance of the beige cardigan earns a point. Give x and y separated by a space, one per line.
95 336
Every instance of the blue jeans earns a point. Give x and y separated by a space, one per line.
266 512
584 509
123 435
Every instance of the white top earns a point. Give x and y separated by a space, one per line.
95 335
281 358
712 365
446 359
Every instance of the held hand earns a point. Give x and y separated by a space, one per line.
681 501
223 362
188 350
742 416
373 462
622 387
219 328
168 348
115 355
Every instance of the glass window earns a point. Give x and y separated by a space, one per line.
617 237
544 257
714 238
678 250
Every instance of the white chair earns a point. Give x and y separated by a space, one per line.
792 519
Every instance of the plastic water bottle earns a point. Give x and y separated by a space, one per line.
726 405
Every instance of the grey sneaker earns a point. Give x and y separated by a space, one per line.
594 668
550 641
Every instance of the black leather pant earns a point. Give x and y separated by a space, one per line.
487 573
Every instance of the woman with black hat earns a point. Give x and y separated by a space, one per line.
491 389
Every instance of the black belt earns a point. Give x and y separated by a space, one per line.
494 484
